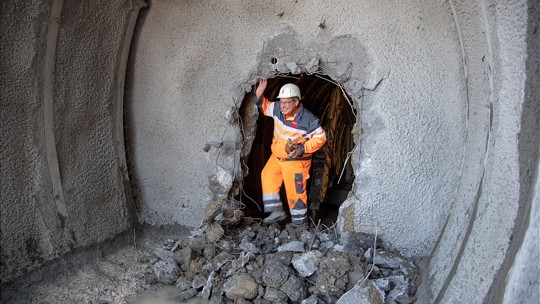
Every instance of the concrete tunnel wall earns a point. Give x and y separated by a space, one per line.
63 166
447 131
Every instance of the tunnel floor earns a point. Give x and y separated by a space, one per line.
111 272
123 270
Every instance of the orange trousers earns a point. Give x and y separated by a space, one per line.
294 173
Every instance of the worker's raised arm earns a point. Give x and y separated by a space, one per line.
262 102
259 92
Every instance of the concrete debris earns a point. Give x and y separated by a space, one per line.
198 281
251 263
294 246
306 264
369 255
207 288
183 257
275 274
294 288
213 209
166 271
310 300
275 295
382 283
388 260
220 182
241 286
214 231
295 69
248 247
183 285
163 254
312 66
332 279
365 294
186 295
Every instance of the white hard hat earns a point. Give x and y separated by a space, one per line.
289 91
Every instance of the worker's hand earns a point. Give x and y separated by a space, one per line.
296 152
260 89
290 146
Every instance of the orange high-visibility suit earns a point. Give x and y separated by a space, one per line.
304 128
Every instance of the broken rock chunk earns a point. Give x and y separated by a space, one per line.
294 246
186 295
198 281
241 286
387 259
207 289
274 295
275 274
294 288
311 300
307 263
166 271
183 257
163 254
365 294
332 279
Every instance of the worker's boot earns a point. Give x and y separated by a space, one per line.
275 216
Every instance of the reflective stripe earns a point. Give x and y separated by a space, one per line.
298 212
317 133
278 133
272 206
270 196
298 220
286 128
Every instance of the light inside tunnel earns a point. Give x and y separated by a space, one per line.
331 175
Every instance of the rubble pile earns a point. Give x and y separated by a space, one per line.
251 263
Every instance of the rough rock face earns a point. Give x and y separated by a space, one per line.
273 264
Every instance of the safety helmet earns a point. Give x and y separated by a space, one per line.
289 91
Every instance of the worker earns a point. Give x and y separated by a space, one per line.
297 135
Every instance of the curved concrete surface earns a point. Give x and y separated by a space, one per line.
63 166
447 133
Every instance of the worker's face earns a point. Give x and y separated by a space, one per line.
287 105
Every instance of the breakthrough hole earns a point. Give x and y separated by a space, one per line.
326 100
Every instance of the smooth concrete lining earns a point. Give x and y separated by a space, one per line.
446 151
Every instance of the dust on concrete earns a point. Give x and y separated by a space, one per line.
111 272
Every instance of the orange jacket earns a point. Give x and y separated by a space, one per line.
305 129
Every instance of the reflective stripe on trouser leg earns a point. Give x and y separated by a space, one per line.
271 179
295 176
272 202
299 213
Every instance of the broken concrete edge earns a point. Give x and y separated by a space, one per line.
350 86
